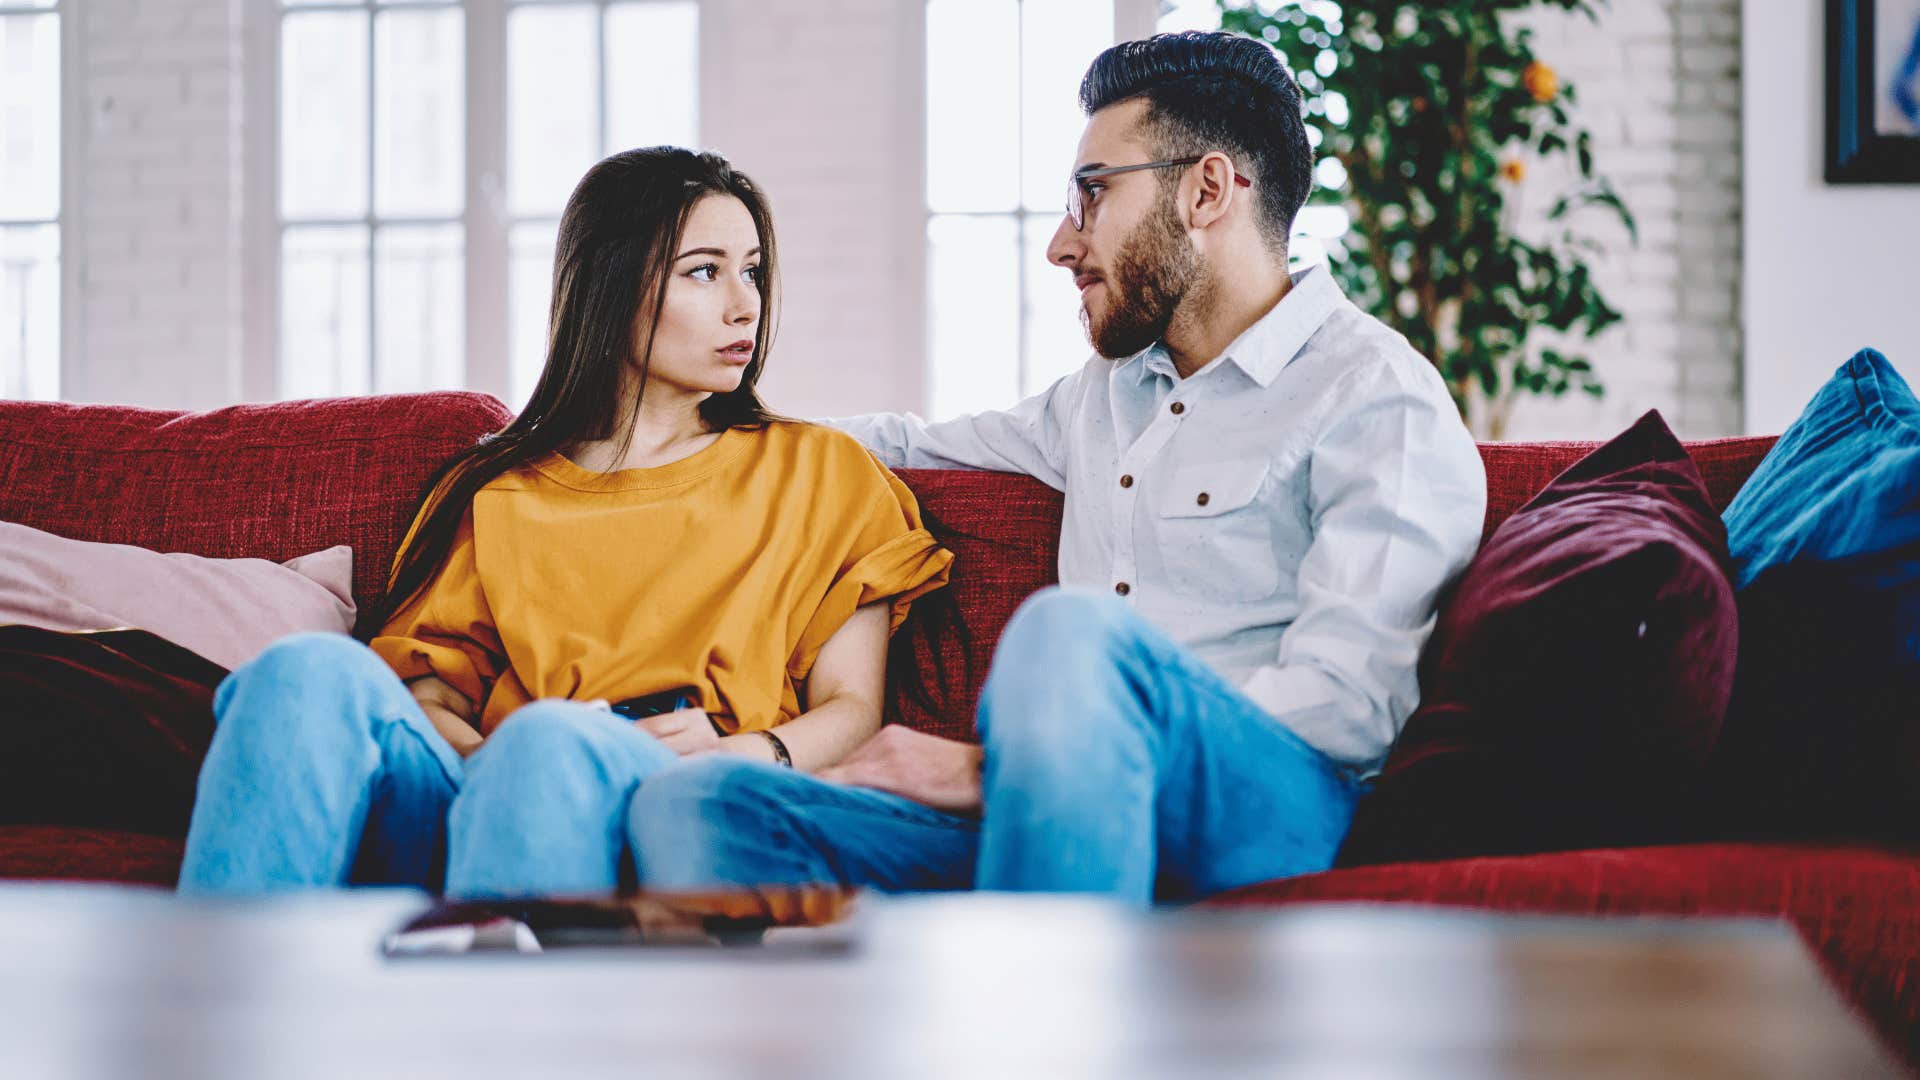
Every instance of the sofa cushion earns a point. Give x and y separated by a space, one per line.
1004 532
1578 672
227 610
251 481
1823 736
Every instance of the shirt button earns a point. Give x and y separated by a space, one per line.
1123 588
1126 481
1202 500
1178 407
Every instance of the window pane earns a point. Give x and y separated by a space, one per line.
653 74
323 312
553 103
529 292
1059 38
323 114
29 116
1056 342
419 280
30 312
419 119
973 114
975 308
1177 15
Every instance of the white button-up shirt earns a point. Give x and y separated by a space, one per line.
1290 512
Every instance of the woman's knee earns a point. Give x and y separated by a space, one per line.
313 659
306 686
544 732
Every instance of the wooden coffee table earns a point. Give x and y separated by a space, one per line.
115 982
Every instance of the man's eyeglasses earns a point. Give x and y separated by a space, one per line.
1077 192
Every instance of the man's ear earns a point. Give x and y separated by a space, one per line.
1209 190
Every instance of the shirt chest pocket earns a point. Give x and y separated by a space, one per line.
1215 534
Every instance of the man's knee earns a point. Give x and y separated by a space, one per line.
1059 620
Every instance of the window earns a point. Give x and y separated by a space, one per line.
568 106
372 197
30 179
388 218
1003 322
1003 119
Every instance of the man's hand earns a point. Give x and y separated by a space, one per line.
932 771
685 732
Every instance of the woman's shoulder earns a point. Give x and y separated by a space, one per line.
820 442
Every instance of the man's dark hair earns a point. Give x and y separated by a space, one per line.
1215 91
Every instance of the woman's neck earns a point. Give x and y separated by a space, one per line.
665 428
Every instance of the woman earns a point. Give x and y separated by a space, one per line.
645 533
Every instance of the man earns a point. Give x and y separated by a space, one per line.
1266 490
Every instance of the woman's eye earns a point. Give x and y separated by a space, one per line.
709 269
753 274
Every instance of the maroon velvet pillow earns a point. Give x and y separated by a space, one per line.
1578 675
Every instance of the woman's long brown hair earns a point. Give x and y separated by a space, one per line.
616 243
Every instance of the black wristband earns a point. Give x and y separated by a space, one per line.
780 755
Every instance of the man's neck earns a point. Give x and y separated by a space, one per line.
1202 331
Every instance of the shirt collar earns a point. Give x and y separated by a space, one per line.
1274 339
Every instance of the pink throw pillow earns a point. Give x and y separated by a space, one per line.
227 610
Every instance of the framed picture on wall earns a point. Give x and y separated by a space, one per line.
1873 91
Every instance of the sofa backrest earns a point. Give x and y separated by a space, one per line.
276 481
262 481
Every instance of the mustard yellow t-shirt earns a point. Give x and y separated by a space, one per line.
725 571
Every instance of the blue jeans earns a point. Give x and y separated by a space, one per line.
323 772
1116 763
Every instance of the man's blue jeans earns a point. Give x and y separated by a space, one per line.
1115 763
323 771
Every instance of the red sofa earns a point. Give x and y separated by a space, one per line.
276 481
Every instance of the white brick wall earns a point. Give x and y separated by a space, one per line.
1659 87
819 102
157 204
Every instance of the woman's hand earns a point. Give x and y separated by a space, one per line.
685 732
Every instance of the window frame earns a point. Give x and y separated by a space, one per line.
67 343
1131 19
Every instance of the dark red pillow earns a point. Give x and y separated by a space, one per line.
1577 678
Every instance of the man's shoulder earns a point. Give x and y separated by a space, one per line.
1359 353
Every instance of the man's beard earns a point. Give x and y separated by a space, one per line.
1154 271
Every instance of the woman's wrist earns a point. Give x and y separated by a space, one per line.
748 744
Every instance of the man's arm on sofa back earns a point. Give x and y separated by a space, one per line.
1030 438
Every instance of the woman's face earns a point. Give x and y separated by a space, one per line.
705 337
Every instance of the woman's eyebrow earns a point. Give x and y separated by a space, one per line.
721 252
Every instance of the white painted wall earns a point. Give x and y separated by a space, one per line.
1828 269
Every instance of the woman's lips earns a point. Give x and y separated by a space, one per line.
737 355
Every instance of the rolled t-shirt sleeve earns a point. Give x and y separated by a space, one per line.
886 553
448 630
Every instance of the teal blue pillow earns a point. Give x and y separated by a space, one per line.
1823 731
